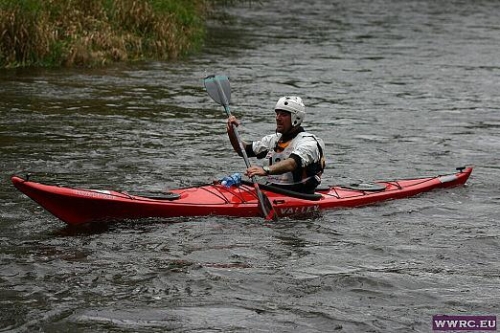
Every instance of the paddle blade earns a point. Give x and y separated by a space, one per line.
218 88
265 206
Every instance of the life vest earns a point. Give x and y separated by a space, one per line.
307 177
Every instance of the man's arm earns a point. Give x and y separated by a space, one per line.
287 165
232 135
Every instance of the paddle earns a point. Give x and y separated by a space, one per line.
219 89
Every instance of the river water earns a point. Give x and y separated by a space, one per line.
395 89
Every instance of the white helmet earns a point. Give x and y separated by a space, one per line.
295 106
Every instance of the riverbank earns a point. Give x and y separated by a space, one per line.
97 32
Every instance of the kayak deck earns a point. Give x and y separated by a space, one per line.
78 206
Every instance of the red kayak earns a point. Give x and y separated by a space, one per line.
78 206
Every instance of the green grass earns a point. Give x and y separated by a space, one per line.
96 32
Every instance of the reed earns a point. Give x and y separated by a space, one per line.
96 32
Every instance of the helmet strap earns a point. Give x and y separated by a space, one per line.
294 131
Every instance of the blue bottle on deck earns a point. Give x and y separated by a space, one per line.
234 179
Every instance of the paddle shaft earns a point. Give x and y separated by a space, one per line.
225 104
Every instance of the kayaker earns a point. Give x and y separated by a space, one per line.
294 158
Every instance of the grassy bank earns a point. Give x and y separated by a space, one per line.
96 32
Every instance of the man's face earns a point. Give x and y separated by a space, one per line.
283 121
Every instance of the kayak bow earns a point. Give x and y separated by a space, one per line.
78 206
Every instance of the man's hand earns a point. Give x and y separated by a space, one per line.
255 171
230 122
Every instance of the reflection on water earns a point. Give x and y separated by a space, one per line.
395 89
